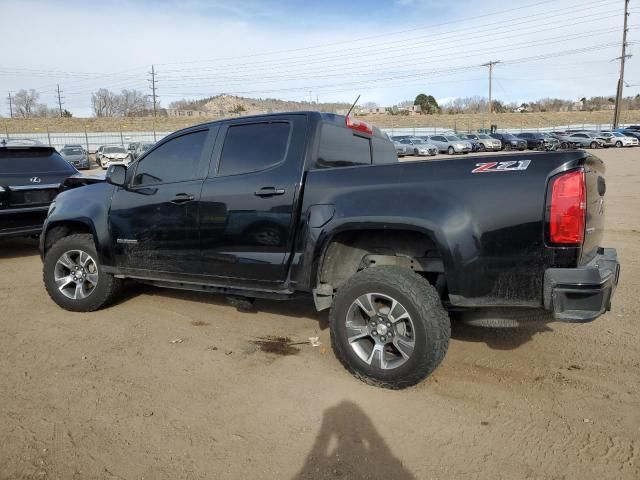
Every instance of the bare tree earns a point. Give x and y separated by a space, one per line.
104 103
132 103
26 103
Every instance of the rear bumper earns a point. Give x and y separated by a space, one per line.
582 294
18 222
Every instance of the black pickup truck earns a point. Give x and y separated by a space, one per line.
30 178
280 205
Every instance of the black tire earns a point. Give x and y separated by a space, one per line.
563 146
618 144
593 145
102 294
482 147
431 329
450 151
507 147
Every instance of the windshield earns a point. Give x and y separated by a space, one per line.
617 134
146 146
33 161
508 136
484 136
417 141
452 138
72 151
114 150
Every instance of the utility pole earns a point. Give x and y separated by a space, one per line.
490 65
153 89
10 106
623 57
59 101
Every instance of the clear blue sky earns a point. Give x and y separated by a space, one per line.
387 51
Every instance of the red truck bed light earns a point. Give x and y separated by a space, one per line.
568 207
358 126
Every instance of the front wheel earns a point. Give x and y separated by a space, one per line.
74 278
594 145
388 327
507 147
482 147
618 144
451 151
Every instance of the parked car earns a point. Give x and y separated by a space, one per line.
76 156
99 155
629 133
140 149
112 155
539 141
418 146
584 139
618 140
450 144
132 148
30 178
401 150
486 142
387 246
476 146
21 142
73 145
510 141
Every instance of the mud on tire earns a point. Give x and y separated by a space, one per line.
398 294
66 256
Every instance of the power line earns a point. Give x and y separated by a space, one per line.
490 64
623 57
59 100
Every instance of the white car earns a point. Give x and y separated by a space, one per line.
617 139
114 156
450 144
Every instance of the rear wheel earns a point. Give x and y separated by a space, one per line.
388 327
451 151
73 277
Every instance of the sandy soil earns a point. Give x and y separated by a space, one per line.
175 385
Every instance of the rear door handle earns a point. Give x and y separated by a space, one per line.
269 192
182 198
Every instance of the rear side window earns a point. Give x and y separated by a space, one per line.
33 161
253 147
341 146
174 161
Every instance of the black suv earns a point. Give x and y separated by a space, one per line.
510 142
539 141
30 178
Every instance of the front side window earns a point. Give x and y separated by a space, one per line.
174 161
253 147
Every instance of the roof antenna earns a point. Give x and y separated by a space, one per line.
352 106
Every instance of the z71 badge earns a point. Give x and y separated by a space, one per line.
510 166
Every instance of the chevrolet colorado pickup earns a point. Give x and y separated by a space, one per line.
280 205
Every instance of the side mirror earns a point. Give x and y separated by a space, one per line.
117 175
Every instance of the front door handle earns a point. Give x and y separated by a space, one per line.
181 198
269 192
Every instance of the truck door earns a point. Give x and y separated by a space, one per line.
248 202
154 221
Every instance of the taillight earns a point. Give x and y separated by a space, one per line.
358 126
567 208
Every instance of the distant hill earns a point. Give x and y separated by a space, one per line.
225 104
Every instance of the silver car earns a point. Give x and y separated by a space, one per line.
418 146
76 156
617 139
450 144
486 142
584 139
401 150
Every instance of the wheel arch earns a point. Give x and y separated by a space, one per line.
64 228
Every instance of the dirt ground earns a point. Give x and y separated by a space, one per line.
176 385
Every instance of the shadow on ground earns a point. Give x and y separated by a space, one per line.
18 247
349 446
